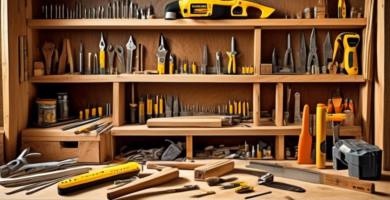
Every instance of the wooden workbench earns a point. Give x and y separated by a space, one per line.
313 191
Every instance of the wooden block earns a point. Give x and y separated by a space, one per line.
349 118
164 176
266 69
214 169
184 122
279 148
279 105
39 68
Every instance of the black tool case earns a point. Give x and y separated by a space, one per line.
363 160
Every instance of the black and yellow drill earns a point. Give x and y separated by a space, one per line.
213 9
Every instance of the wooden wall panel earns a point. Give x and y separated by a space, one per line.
283 8
267 95
1 83
182 43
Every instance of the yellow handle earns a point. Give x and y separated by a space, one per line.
243 70
86 114
161 68
321 136
234 64
243 109
231 109
161 106
149 109
265 11
170 68
93 112
81 115
102 59
194 69
235 108
185 68
239 108
230 63
156 108
100 110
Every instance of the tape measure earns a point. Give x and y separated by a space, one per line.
96 177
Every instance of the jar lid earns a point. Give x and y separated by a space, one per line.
47 101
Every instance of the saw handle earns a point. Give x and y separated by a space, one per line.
240 9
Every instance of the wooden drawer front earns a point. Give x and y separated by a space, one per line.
86 151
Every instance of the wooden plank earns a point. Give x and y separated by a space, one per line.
279 105
181 78
293 129
186 24
118 104
257 51
1 145
382 96
179 123
256 104
189 147
279 147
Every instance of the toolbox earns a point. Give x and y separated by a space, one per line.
55 144
363 160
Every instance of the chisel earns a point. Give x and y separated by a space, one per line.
141 112
149 107
133 105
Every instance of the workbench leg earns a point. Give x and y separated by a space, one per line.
118 115
279 147
279 105
189 147
256 104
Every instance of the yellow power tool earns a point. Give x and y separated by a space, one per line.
213 9
347 43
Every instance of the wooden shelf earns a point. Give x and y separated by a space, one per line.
232 24
239 130
181 78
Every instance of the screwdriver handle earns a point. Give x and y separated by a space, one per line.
161 68
230 63
170 68
102 62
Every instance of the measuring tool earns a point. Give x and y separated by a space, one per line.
347 44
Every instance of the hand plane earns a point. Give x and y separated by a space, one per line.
212 9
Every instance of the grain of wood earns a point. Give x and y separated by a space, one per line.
256 104
119 104
279 105
189 147
279 148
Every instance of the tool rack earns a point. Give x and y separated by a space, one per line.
255 40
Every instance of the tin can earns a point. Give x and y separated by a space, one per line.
63 105
46 111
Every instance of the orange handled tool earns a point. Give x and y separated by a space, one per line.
305 139
102 62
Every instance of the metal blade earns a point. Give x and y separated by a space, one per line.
302 51
205 54
233 49
289 41
328 51
313 43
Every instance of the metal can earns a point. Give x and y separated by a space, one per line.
63 105
46 111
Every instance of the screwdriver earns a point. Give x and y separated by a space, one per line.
194 68
230 108
185 63
235 107
102 46
171 64
81 115
239 108
100 110
156 108
141 112
133 105
243 70
161 106
149 109
243 109
247 108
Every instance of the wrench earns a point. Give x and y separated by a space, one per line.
119 51
111 54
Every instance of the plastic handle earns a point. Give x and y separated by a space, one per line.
102 59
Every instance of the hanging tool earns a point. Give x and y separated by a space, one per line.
120 53
133 105
125 13
141 112
275 66
212 9
218 62
328 53
111 57
288 56
161 55
313 56
204 60
305 139
149 107
342 9
109 11
347 43
175 106
81 58
302 55
232 59
185 66
95 69
194 68
48 50
102 46
66 57
131 11
297 112
171 63
131 47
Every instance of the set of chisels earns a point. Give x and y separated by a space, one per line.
124 9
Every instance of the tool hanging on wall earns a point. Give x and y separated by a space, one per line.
131 47
313 66
120 53
305 139
111 57
204 61
48 50
288 56
102 46
301 69
232 59
66 57
161 56
212 9
328 51
347 44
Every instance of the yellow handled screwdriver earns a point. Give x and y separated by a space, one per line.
185 65
102 46
149 107
232 59
171 64
194 68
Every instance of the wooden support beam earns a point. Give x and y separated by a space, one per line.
279 148
118 104
279 105
382 84
189 147
256 104
257 51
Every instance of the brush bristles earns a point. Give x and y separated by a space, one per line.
212 181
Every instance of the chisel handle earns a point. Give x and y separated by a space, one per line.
102 62
185 68
230 63
161 68
170 68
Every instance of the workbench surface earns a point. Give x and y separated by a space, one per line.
313 191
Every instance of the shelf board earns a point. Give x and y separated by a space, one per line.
181 78
191 24
56 134
239 130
